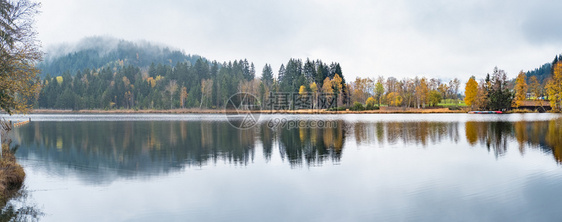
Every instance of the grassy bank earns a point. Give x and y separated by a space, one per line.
11 175
383 110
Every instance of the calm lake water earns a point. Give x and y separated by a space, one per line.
380 167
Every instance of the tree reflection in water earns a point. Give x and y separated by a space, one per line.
132 148
312 146
408 133
544 135
18 208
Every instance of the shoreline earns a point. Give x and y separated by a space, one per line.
12 175
383 110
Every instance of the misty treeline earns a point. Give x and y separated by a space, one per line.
105 73
96 52
202 84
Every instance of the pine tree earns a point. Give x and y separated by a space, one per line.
499 95
267 75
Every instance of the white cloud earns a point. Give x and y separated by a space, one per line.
399 38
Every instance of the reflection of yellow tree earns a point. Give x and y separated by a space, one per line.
407 132
207 134
183 130
393 132
537 132
521 135
303 133
328 137
314 135
554 138
360 132
153 141
471 134
127 128
422 132
380 132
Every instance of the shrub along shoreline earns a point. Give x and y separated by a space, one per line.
12 175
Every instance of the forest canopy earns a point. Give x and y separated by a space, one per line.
106 73
143 76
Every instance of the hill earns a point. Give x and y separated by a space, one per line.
98 52
106 73
545 71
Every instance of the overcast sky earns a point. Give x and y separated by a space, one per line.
401 38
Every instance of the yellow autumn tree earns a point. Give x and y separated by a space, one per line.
206 91
422 92
302 90
314 90
361 89
171 88
59 79
151 81
520 89
481 99
470 91
183 96
554 87
327 86
313 87
19 52
535 87
370 101
337 83
126 82
394 99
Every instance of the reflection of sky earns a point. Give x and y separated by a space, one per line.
442 180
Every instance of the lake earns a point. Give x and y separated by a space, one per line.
379 167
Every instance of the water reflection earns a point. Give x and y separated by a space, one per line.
106 150
133 147
544 135
312 146
409 133
493 135
20 208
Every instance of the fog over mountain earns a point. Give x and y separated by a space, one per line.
97 52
